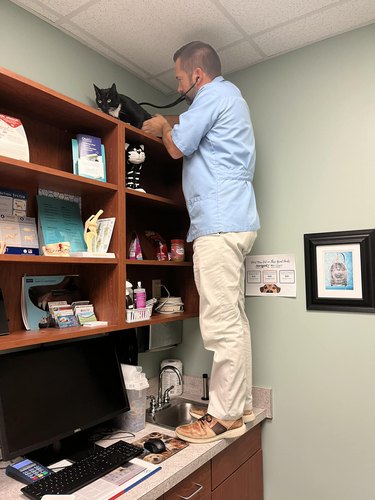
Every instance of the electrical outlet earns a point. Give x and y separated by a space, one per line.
156 289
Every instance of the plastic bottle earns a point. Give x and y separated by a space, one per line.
129 300
140 296
129 295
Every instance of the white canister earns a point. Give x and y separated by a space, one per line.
171 378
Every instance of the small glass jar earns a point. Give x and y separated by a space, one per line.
178 250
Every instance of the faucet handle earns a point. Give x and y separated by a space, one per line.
152 403
166 397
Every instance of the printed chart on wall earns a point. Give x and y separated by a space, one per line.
271 275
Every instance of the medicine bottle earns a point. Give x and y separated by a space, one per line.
140 296
177 250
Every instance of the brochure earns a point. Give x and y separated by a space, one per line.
60 220
89 157
19 234
13 140
105 230
85 314
13 202
119 481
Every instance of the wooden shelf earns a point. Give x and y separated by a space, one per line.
51 120
32 338
42 176
152 200
161 263
25 338
156 319
42 259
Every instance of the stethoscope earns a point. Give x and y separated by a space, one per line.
174 103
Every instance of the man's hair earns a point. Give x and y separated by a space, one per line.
199 55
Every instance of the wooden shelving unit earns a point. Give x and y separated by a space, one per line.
51 120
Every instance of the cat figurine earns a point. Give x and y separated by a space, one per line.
135 157
120 106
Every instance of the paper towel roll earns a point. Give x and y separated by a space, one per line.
170 377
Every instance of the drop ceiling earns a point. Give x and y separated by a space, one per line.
142 35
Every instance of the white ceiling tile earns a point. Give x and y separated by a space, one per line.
316 27
142 36
51 9
238 56
152 31
103 49
258 15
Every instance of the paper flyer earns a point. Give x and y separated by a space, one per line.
271 275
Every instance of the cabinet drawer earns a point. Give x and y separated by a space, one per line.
230 459
245 484
197 486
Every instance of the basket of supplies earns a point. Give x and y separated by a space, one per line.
141 314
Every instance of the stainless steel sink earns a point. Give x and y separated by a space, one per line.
176 413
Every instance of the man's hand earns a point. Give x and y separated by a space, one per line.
160 127
154 126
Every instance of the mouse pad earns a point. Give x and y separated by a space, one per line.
173 445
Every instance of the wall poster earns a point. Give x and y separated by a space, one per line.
271 275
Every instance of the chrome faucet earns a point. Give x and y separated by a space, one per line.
161 400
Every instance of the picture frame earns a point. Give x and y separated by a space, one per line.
339 271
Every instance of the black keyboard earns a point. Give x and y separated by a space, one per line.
83 472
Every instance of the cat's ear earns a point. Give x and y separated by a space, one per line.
97 89
114 87
142 147
126 146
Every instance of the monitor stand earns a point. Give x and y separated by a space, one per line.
72 448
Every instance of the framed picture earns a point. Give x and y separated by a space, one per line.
339 269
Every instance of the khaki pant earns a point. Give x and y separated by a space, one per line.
219 272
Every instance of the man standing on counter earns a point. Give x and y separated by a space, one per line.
216 140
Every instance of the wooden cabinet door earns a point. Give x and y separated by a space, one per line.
229 460
197 486
244 484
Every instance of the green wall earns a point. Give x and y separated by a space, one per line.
314 118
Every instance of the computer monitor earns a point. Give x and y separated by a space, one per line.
55 391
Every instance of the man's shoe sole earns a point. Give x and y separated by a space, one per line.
232 433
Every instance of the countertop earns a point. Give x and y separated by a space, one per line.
173 470
182 464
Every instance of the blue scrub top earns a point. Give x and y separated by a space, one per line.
216 138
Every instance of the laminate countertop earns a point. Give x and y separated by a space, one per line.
182 464
173 470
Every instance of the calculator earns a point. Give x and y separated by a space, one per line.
27 471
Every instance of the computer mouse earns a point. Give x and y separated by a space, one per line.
154 445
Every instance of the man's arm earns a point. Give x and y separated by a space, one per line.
160 127
172 119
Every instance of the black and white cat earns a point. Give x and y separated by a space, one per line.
120 106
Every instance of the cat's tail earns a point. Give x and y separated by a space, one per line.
174 103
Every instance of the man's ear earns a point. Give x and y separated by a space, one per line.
198 75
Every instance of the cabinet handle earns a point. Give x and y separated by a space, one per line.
200 487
